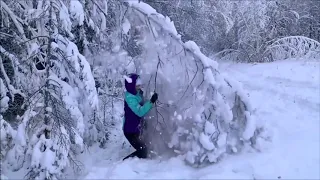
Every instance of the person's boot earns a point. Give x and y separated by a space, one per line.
134 154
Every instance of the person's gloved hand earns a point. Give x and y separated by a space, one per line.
154 98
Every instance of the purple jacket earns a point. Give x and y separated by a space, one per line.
134 109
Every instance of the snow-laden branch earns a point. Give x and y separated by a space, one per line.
4 99
7 80
216 114
14 18
210 66
292 46
168 26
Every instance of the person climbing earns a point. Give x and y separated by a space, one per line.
134 110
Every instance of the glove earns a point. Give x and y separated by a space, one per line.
154 98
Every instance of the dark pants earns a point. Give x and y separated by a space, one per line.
137 143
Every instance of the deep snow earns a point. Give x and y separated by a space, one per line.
286 95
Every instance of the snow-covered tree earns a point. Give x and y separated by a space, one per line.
201 114
241 30
59 58
55 78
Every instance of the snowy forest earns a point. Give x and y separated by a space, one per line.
63 65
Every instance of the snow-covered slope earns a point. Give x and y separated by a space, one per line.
287 97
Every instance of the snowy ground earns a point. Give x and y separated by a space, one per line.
287 97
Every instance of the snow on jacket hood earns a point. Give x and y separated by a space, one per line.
131 86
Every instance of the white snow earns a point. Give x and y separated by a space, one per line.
33 48
4 99
142 6
146 9
69 96
4 103
54 45
126 26
288 103
81 65
205 142
14 19
21 136
250 128
179 117
209 128
48 109
116 48
222 140
65 18
128 79
76 11
106 6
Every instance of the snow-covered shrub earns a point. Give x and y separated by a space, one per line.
241 30
49 157
202 114
292 47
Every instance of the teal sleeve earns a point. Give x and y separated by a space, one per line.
137 108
